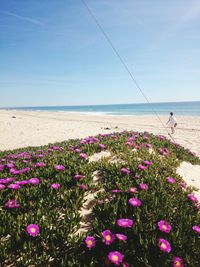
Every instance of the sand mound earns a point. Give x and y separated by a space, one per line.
191 175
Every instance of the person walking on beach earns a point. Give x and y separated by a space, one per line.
172 122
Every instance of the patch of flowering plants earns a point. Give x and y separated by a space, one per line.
143 215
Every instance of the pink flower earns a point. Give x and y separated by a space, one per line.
164 226
10 165
11 204
115 257
142 167
83 186
8 180
164 245
40 164
90 242
33 229
1 167
59 167
108 237
148 162
135 202
125 171
55 186
121 237
102 146
133 190
2 186
178 262
183 185
83 155
192 198
116 191
143 187
125 264
126 223
23 182
171 180
196 228
14 186
34 181
78 176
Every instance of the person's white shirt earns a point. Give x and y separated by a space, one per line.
171 121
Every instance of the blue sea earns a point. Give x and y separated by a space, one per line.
178 108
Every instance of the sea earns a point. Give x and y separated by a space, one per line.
178 108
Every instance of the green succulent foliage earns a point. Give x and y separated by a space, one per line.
56 212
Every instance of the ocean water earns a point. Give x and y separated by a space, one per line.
178 108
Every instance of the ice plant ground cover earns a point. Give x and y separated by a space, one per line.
145 216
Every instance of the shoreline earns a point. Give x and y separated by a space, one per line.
97 113
20 128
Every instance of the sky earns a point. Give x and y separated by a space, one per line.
52 53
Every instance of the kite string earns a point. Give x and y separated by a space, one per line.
124 64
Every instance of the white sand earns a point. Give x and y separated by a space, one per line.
34 128
191 174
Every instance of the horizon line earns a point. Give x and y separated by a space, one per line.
86 105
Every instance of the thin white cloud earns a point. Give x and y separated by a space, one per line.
33 21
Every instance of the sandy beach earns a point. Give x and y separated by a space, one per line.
33 128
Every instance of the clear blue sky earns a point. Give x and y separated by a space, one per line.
52 53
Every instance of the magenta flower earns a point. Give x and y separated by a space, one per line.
77 150
163 151
116 191
108 237
8 180
115 257
78 176
59 167
90 242
142 167
125 171
1 167
183 185
130 139
148 162
171 180
121 237
83 155
143 187
2 186
133 190
33 229
11 204
10 165
135 202
40 164
196 228
55 186
34 181
164 226
102 146
192 198
125 264
164 245
23 182
14 186
126 223
83 186
178 262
